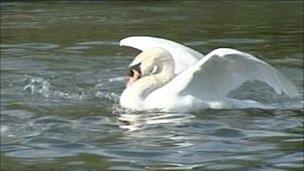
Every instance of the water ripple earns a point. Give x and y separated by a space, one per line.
34 46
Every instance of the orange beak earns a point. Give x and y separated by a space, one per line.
135 77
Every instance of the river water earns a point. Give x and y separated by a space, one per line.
62 73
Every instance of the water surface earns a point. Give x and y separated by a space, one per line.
62 73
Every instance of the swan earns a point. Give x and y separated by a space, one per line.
169 77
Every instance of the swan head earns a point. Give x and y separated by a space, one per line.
150 62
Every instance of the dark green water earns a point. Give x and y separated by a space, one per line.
62 73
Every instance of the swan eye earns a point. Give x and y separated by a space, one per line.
154 70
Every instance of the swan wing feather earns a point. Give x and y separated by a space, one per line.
183 56
222 71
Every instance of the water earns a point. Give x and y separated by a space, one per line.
62 73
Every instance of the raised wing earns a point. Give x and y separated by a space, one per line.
184 57
222 71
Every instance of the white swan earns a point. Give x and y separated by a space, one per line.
170 77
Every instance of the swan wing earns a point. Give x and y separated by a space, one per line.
183 56
222 71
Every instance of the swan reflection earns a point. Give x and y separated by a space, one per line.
137 121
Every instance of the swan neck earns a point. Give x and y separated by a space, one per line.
134 96
148 84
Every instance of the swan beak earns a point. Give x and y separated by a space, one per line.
134 74
135 77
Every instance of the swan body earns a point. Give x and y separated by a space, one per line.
175 78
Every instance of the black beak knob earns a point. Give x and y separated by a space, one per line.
134 67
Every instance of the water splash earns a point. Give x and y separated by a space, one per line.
41 86
110 96
38 86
